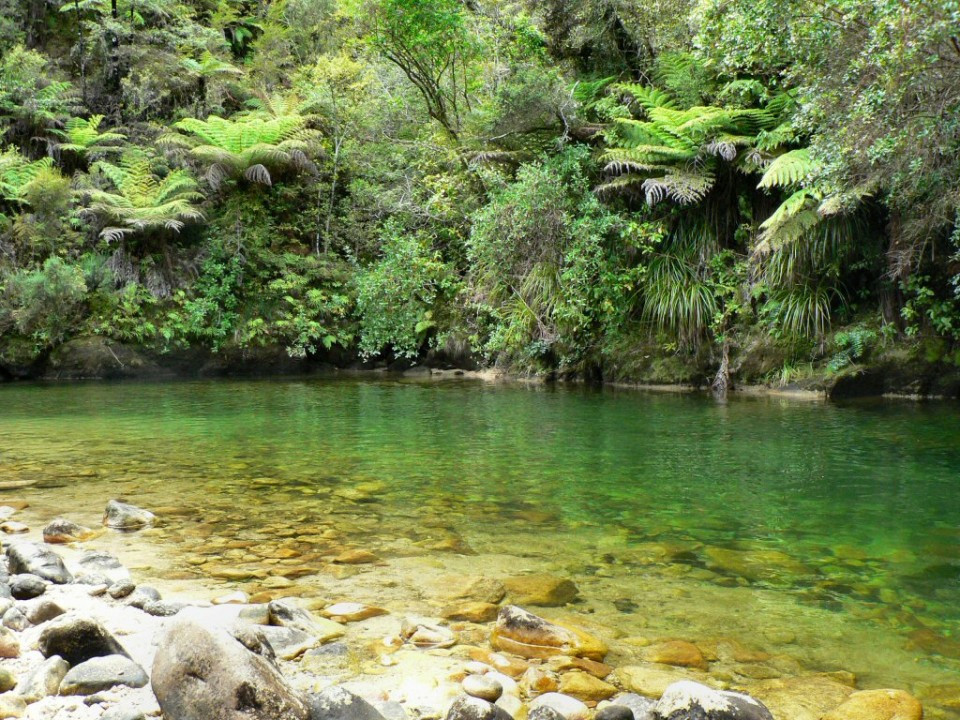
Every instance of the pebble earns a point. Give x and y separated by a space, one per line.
483 687
27 586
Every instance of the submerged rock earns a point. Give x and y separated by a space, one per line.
523 633
102 673
675 652
204 673
475 612
542 590
801 698
351 612
61 530
104 566
28 557
585 686
878 705
77 639
124 516
685 700
427 635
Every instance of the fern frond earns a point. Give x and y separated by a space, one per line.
788 169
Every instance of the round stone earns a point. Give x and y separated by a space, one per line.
483 687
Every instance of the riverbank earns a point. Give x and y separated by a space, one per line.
895 375
284 653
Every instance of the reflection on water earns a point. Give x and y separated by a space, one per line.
827 536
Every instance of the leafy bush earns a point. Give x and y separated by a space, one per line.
397 295
45 304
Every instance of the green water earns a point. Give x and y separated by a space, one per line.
827 536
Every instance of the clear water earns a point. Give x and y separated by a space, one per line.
827 536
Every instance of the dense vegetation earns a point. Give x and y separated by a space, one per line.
604 187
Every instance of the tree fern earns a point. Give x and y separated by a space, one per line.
17 172
84 137
143 202
249 148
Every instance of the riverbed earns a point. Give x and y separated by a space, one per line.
824 537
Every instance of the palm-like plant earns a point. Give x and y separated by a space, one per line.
141 201
250 148
207 69
17 172
84 137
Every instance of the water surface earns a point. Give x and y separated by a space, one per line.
825 536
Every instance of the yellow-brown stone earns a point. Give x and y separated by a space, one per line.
541 590
584 686
675 652
878 705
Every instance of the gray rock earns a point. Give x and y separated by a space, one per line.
8 681
9 644
102 673
104 566
28 557
391 710
123 713
6 604
143 595
285 614
641 707
42 611
44 680
543 712
15 619
337 703
485 688
27 586
569 707
77 639
204 673
471 708
288 643
124 516
614 712
164 608
61 530
688 700
121 589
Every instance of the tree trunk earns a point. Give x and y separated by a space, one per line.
721 383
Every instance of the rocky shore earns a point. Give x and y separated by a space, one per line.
82 639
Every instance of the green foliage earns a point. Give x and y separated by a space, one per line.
851 345
142 202
43 304
397 296
84 137
247 148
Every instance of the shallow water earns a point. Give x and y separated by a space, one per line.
825 535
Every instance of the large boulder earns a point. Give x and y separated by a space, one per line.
337 703
124 516
77 639
95 357
33 558
686 700
523 633
203 672
102 673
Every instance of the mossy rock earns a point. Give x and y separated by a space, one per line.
95 357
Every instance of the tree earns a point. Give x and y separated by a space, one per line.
338 88
430 42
